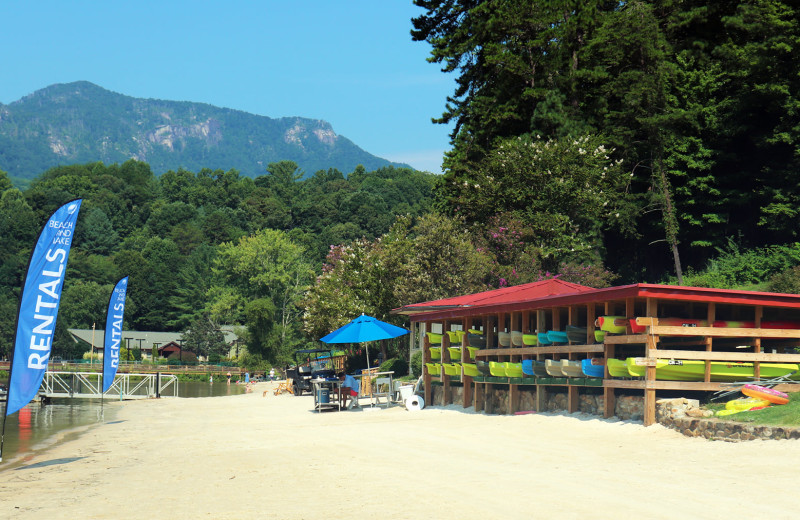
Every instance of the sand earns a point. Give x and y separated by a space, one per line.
249 456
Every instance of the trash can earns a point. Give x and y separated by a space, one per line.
324 396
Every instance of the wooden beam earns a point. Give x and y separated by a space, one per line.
469 387
722 332
738 332
556 349
746 357
625 339
639 384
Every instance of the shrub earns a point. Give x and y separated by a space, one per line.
787 281
416 364
396 365
253 363
185 357
132 354
735 268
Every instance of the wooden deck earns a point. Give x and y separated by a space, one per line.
690 343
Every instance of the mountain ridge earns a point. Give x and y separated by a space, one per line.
81 122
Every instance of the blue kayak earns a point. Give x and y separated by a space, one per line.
592 370
556 336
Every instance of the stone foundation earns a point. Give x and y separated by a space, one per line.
686 416
681 414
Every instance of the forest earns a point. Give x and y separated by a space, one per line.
211 247
602 142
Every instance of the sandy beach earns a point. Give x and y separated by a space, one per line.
250 456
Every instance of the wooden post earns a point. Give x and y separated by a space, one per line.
479 399
513 398
541 321
572 398
609 397
649 392
590 317
541 398
710 316
630 311
526 322
572 318
467 382
650 375
447 397
426 358
489 332
556 319
652 308
759 311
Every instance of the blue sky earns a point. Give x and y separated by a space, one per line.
351 63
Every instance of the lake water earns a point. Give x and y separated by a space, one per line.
37 427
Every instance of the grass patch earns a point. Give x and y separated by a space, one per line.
776 415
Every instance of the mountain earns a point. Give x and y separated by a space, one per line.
81 122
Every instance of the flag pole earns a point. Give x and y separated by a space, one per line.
3 433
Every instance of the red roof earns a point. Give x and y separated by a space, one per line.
556 293
506 295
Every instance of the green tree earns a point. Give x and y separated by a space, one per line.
417 260
204 338
96 234
5 182
565 193
267 267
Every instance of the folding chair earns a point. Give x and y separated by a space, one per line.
284 386
382 390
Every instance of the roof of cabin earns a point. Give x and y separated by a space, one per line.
556 293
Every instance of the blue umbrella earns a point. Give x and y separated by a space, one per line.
364 328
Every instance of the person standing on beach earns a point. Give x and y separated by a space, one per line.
272 374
